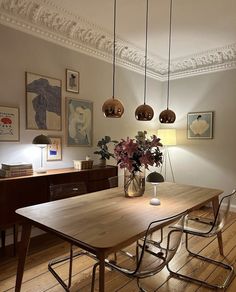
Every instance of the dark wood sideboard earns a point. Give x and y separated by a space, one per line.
24 191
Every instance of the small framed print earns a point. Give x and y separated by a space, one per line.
79 122
43 102
54 150
9 124
72 81
200 125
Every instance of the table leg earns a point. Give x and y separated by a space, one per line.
101 274
23 249
215 205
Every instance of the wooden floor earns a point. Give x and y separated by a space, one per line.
42 249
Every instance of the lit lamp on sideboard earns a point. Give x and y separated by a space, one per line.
168 138
41 141
155 178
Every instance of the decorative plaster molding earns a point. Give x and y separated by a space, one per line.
219 59
46 20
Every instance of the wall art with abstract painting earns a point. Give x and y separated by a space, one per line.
43 102
72 81
200 125
79 119
54 150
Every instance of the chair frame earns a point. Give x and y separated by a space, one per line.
69 258
75 191
209 233
15 237
136 273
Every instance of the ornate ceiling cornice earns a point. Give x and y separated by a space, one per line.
44 19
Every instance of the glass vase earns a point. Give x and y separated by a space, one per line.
134 183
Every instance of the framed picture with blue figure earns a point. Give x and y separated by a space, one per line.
79 122
43 102
54 150
200 125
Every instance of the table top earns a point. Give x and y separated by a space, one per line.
108 221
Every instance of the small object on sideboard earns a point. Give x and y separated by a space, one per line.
14 170
83 164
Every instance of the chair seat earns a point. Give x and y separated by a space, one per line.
198 226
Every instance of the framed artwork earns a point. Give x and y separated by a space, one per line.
200 125
54 150
72 81
43 102
79 122
9 124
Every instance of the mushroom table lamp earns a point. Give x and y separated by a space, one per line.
41 141
155 178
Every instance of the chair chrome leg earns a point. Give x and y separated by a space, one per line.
140 287
93 277
63 259
70 266
227 281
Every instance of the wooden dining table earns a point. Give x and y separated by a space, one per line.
106 221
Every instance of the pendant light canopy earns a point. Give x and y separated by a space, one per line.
168 116
113 108
145 112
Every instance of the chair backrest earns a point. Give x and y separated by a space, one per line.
113 181
173 242
66 190
222 213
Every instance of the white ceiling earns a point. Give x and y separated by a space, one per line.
198 25
203 31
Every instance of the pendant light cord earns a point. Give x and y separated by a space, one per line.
146 45
169 55
114 51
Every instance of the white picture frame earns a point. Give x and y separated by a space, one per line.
9 124
54 150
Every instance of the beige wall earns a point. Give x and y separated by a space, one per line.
20 52
206 162
201 162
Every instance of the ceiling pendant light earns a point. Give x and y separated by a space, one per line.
168 116
113 108
144 112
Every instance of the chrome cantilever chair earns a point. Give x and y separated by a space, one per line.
62 191
207 227
160 256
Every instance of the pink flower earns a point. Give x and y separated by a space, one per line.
130 147
132 154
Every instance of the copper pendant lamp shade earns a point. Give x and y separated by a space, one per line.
168 116
113 107
145 112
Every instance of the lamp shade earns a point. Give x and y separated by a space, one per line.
167 117
42 140
144 113
167 136
113 108
155 177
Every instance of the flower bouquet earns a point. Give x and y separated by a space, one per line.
136 155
